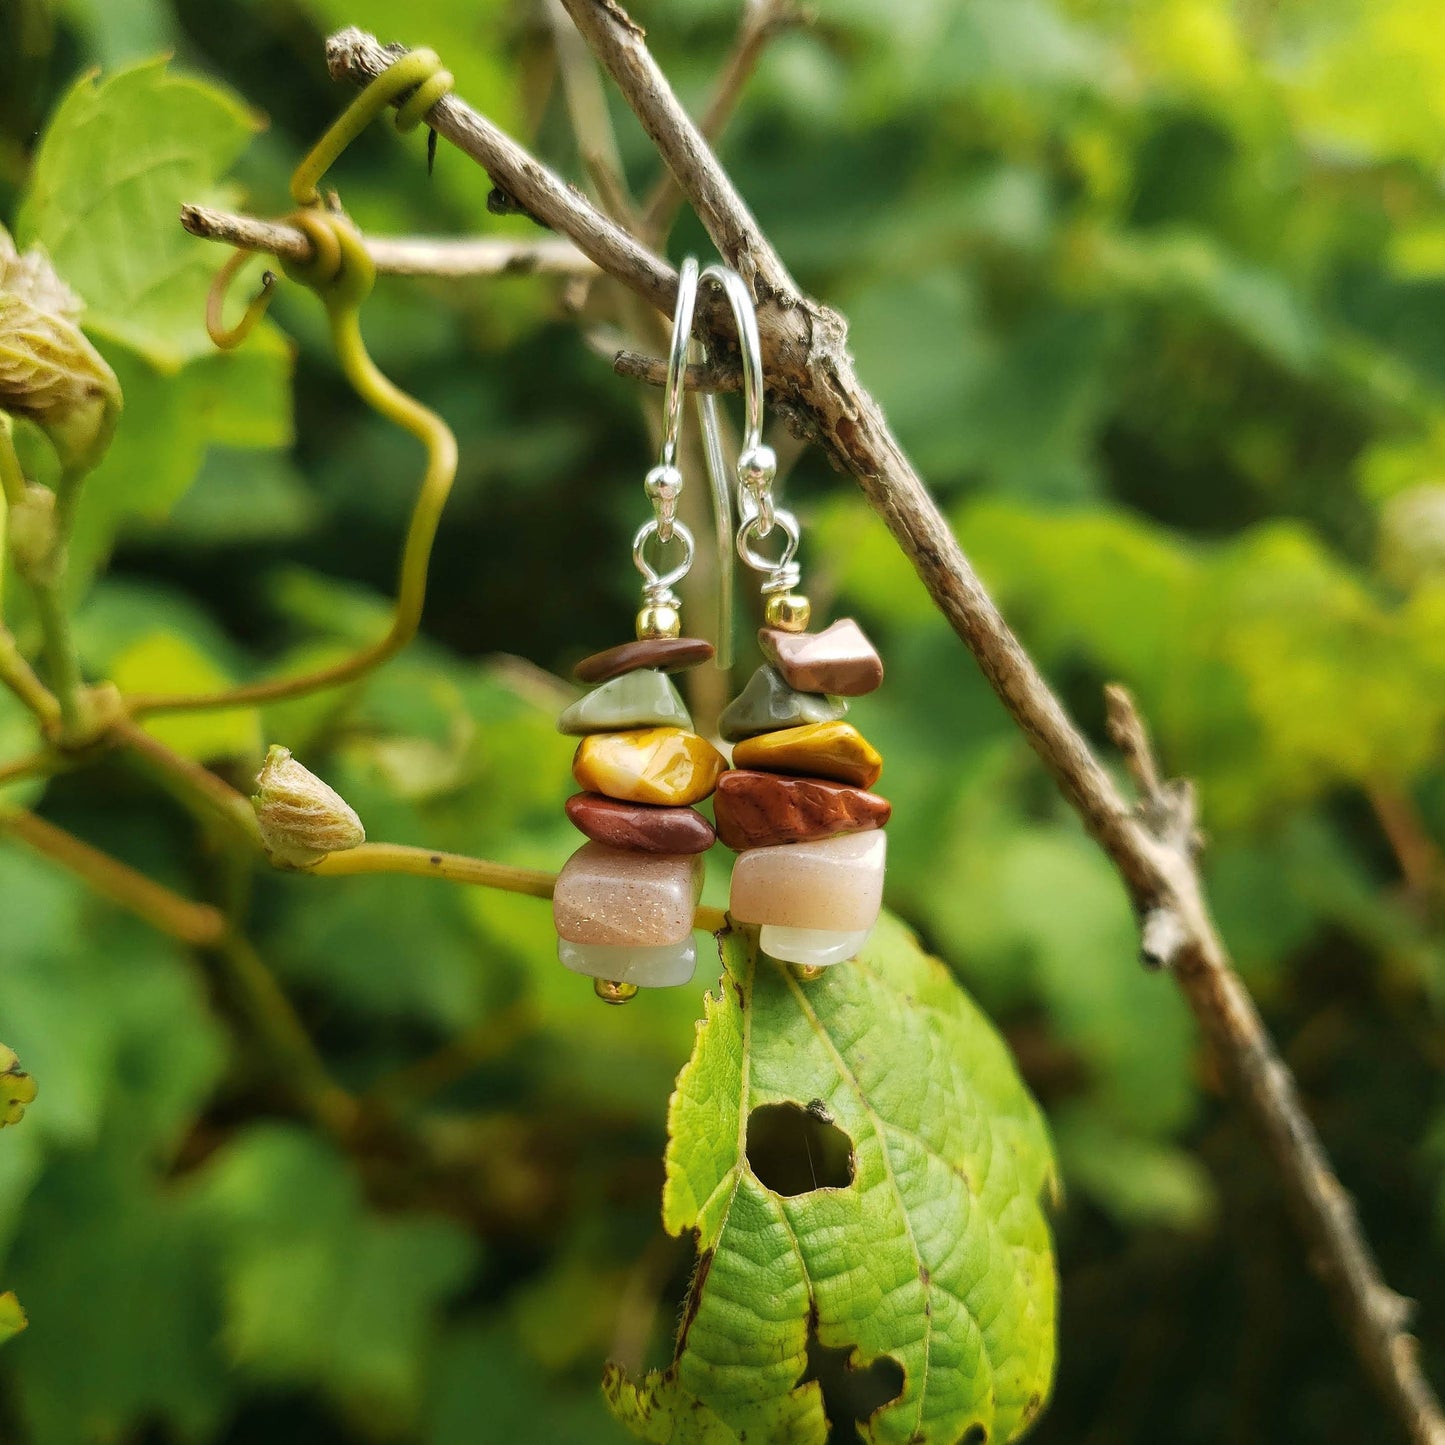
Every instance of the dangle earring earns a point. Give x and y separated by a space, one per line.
796 807
624 902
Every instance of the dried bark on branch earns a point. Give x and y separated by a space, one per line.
400 255
1152 845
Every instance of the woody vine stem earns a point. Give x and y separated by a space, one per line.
1152 841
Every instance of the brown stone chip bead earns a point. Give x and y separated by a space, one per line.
639 827
757 810
666 654
839 660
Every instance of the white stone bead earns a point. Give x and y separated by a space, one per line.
816 947
665 967
833 884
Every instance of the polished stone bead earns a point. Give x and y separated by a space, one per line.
840 659
666 766
812 947
616 896
642 699
759 810
834 883
768 703
665 966
823 750
668 654
634 825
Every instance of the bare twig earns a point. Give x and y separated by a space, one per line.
1421 862
762 20
812 377
719 376
355 55
400 255
591 120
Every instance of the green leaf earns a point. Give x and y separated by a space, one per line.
12 1317
936 1254
238 399
117 160
144 1319
484 1375
317 1291
166 662
1141 1182
103 1009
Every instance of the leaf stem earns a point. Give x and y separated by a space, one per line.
17 674
277 1020
12 478
193 923
190 782
36 764
426 863
459 868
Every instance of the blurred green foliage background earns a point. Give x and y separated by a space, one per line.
1154 293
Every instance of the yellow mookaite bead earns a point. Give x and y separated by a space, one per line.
817 750
666 766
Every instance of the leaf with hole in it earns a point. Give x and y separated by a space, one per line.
924 1244
118 158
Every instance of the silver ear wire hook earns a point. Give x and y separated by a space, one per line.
757 464
665 481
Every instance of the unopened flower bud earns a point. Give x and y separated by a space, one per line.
49 371
302 819
17 1088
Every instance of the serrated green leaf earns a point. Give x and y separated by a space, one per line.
937 1254
116 161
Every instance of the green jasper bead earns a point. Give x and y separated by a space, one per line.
767 703
643 699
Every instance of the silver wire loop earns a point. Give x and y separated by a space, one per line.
657 586
783 572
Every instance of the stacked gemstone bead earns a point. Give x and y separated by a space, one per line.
624 902
796 806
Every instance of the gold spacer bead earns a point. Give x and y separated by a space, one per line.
659 620
788 611
809 972
609 990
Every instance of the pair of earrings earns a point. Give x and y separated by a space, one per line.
793 803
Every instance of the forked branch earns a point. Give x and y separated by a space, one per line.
811 378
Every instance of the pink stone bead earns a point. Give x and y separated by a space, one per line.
618 896
833 883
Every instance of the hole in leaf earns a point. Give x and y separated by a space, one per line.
793 1150
850 1396
974 1435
